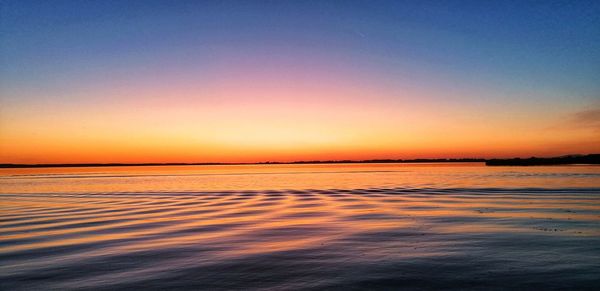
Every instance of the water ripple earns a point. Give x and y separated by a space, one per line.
308 239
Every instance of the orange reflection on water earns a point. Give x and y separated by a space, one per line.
266 177
367 212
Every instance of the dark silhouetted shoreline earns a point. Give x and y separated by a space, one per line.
533 161
374 161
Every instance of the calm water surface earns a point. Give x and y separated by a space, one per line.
347 226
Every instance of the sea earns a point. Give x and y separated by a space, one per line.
301 227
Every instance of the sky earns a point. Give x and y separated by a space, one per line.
249 81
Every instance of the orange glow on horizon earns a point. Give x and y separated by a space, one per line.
290 111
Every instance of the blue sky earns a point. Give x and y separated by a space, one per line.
520 57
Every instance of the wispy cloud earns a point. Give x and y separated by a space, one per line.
588 118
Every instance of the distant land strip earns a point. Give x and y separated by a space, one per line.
374 161
533 161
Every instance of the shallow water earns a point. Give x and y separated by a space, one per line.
352 226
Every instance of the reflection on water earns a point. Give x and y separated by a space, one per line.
301 227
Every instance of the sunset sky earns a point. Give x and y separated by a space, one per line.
247 81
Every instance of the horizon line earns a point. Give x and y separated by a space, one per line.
345 161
